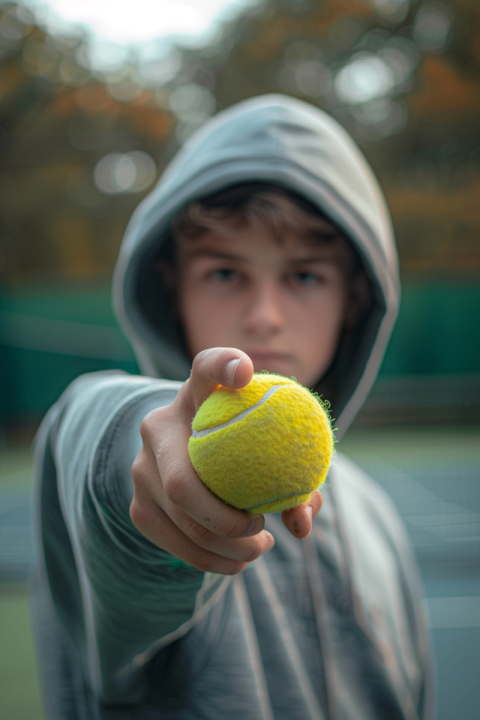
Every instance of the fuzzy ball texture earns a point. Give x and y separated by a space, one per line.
263 448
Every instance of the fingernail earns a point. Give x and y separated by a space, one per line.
230 368
309 512
258 523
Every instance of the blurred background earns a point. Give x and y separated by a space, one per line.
95 99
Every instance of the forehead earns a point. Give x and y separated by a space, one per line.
243 241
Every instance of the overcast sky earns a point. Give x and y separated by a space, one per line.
138 21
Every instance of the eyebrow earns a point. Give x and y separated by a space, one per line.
219 254
224 255
312 260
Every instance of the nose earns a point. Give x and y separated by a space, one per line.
264 316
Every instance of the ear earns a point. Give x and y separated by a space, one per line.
358 299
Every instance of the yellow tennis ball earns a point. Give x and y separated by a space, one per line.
263 448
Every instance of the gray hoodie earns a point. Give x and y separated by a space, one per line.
329 627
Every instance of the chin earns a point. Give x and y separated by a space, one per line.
277 368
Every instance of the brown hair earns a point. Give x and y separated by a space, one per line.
259 203
251 203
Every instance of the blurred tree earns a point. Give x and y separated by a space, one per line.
79 148
76 153
402 76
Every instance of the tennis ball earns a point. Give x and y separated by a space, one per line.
263 448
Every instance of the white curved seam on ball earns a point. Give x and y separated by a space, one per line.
282 497
208 431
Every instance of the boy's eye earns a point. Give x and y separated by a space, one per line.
306 278
224 275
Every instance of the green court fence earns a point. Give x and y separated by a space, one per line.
50 335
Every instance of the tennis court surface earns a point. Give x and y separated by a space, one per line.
432 473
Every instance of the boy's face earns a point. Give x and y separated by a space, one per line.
284 304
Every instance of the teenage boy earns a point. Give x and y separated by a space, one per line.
266 246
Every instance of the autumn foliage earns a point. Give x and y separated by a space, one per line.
79 148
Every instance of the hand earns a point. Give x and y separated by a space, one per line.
172 507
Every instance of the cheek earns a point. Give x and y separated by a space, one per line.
205 320
326 312
318 330
334 314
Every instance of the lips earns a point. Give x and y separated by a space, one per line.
267 358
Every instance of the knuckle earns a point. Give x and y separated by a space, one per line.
138 514
145 427
202 561
230 528
206 361
207 563
235 568
175 485
198 361
199 357
254 553
150 422
138 470
199 534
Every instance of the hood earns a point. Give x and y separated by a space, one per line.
275 139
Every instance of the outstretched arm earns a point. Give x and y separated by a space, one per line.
137 553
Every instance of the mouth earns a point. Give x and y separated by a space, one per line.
262 359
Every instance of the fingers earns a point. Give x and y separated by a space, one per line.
214 525
180 515
299 520
194 544
179 490
160 530
211 368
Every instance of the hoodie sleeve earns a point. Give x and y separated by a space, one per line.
133 594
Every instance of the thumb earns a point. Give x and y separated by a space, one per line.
213 367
